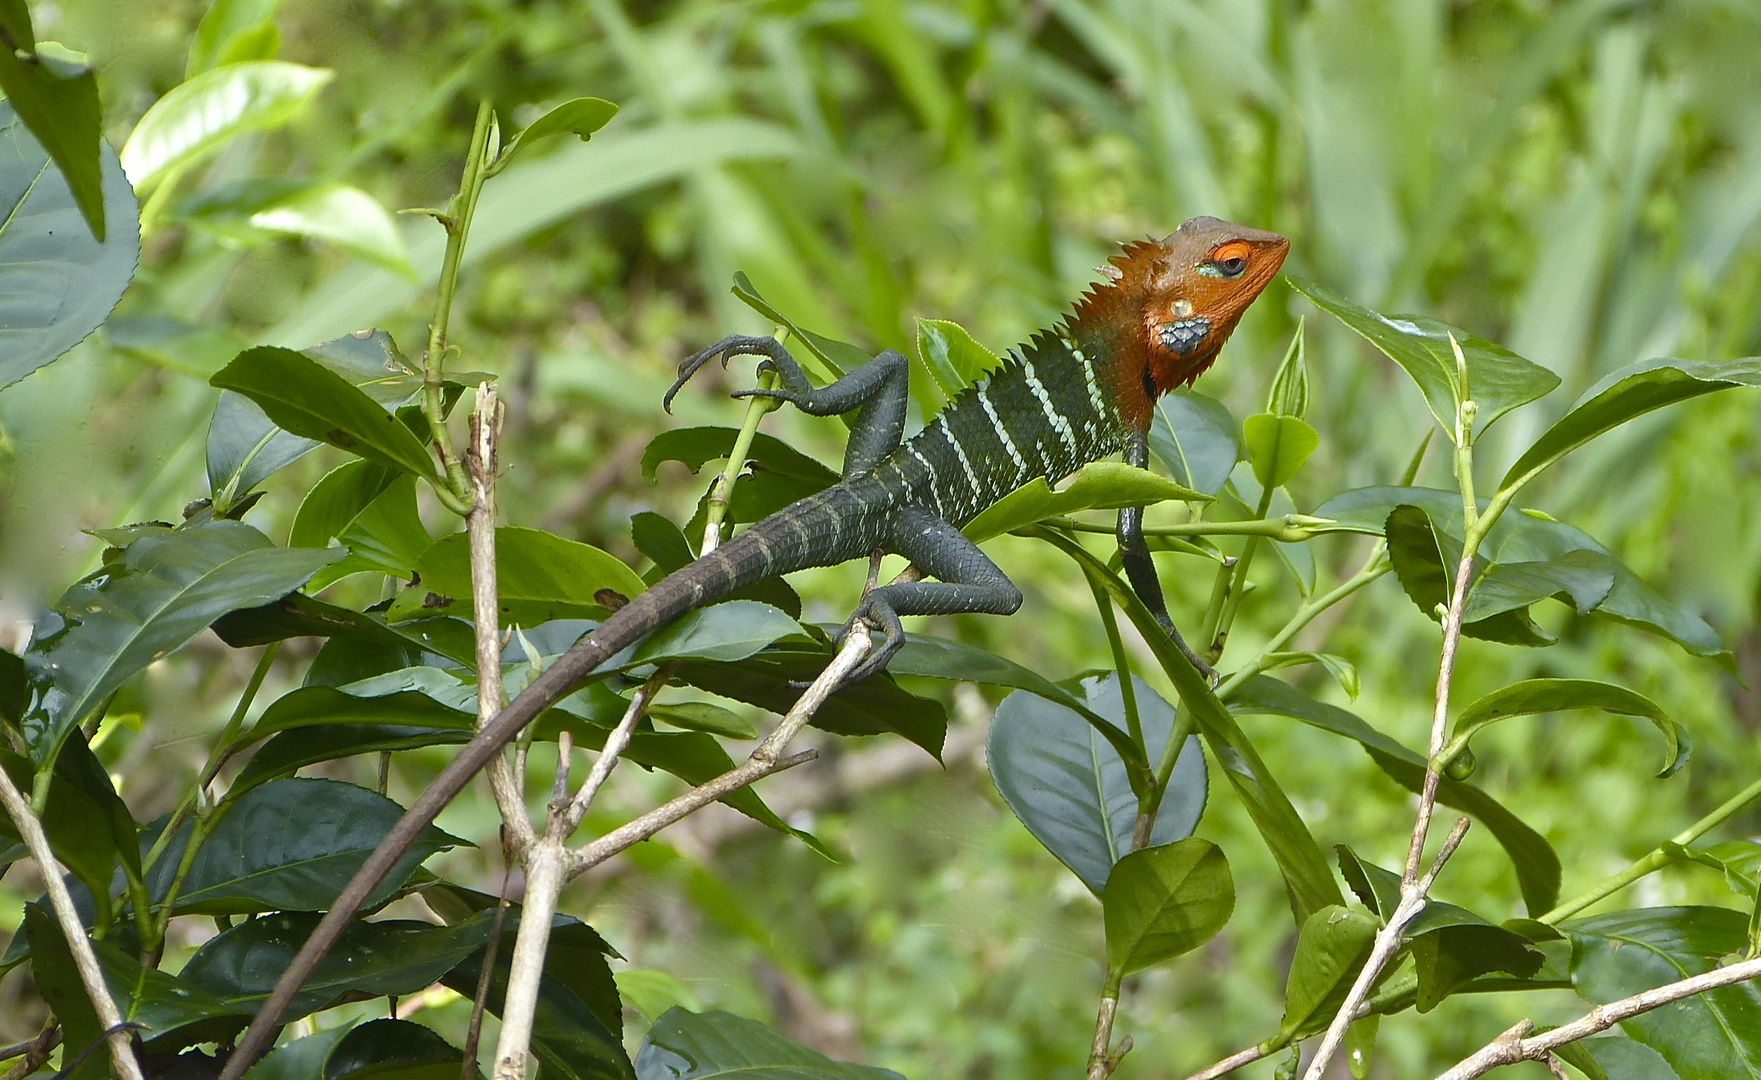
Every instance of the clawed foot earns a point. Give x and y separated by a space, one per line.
775 359
879 618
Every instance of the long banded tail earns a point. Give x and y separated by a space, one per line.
791 539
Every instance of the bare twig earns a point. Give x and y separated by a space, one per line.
35 1051
480 1000
1512 1047
84 958
1229 1064
480 464
765 759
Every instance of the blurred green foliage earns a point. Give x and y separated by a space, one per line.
1579 180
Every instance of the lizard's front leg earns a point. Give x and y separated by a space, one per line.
1140 569
880 388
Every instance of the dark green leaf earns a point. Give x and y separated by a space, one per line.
693 447
1330 950
245 448
1537 867
1163 901
308 399
580 116
1426 563
163 591
1711 1036
726 632
1195 439
837 356
1615 1058
390 1049
79 828
659 539
1307 877
78 768
1498 379
60 281
198 116
1452 946
702 716
1071 788
289 845
697 1046
539 577
772 679
1099 485
58 980
1622 395
291 751
953 358
58 101
1556 695
1581 578
371 510
1376 888
1277 446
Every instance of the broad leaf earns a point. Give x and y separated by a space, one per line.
1615 1058
726 632
1556 695
59 282
1426 561
1580 578
305 398
1537 867
539 577
580 117
56 95
698 1046
78 828
225 27
1163 901
198 116
953 358
245 448
371 510
1307 877
1498 379
695 446
366 640
161 592
57 979
1069 785
1330 950
289 845
1624 394
1195 439
774 677
385 1048
1711 1036
335 213
1099 485
1277 446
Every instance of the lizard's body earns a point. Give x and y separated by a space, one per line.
1071 396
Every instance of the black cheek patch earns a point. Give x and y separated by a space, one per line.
1185 335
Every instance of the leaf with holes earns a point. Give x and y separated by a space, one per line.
539 577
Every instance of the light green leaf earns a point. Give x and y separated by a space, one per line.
952 356
1163 901
1344 672
580 116
1100 485
58 100
1330 950
1622 395
305 398
1532 696
703 716
1277 446
652 992
342 215
726 632
199 116
224 28
540 576
1498 379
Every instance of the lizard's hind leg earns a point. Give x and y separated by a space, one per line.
968 583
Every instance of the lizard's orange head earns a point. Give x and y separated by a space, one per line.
1189 290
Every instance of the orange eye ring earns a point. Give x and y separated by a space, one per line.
1233 250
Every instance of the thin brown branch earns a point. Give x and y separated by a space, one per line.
1229 1064
1512 1046
61 901
480 465
35 1051
480 1000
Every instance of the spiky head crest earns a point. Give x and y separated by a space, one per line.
1169 304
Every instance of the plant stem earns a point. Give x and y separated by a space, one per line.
458 225
1102 1060
1238 584
1374 567
30 828
1654 860
1291 528
721 492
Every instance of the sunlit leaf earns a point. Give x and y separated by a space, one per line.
1532 696
1163 901
539 577
1100 485
200 115
1330 950
952 356
1277 446
580 116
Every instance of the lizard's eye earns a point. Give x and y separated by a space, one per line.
1230 259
